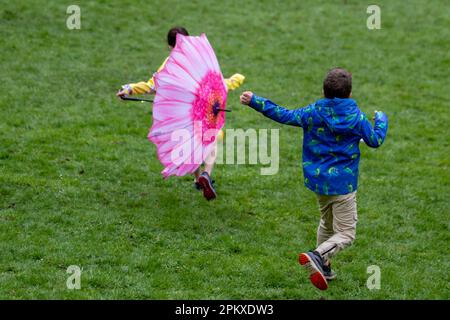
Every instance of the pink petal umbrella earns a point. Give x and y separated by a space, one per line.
187 111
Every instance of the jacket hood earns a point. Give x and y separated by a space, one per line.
340 115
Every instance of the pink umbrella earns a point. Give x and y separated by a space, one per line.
190 95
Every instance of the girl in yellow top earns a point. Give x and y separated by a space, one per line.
202 178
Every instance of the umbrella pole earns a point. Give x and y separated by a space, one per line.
216 109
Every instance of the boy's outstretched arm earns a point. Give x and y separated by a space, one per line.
373 136
272 110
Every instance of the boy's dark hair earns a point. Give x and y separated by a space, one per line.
337 84
172 35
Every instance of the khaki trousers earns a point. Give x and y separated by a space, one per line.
337 227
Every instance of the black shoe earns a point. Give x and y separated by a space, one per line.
328 273
313 262
207 186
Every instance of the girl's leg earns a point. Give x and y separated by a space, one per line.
197 173
210 160
205 177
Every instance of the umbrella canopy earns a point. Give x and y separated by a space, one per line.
188 108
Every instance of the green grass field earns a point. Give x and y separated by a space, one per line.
80 184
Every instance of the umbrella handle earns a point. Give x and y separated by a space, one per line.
225 110
135 99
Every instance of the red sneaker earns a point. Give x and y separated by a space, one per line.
206 184
313 262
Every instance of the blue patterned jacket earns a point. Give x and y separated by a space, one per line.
332 130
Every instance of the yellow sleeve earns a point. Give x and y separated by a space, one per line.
235 81
145 87
142 87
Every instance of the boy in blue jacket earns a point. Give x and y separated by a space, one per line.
332 127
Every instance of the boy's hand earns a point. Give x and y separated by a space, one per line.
375 114
246 97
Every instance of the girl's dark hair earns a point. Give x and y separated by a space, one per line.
172 35
337 84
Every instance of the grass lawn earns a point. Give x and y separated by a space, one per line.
80 184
